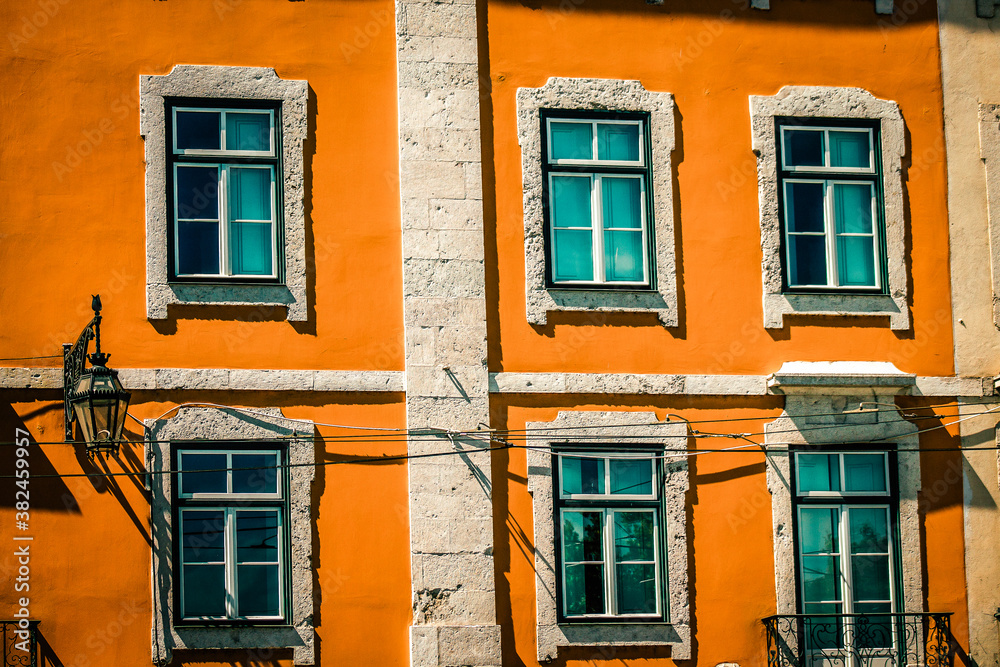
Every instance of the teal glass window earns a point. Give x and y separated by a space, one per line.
225 193
609 527
847 560
830 185
232 550
597 176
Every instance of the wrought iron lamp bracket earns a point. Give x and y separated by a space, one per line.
74 359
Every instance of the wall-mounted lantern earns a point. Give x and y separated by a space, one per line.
94 397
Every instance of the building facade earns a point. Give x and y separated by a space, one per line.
504 333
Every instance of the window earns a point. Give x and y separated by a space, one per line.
605 518
223 529
832 207
223 170
596 177
231 513
832 212
597 182
610 537
225 189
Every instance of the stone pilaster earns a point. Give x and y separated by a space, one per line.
447 384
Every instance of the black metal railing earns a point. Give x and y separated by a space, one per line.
859 640
20 643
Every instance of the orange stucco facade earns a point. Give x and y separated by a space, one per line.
73 185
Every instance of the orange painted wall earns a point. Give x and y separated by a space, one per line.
712 55
731 556
90 565
72 177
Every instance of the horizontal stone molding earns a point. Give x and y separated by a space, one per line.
225 379
219 379
881 6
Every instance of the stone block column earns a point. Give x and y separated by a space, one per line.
447 384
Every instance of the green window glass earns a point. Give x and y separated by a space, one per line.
610 536
224 165
829 186
598 225
232 551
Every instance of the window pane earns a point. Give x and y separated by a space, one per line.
250 248
864 472
804 207
856 259
634 536
808 257
584 589
817 472
570 200
869 530
622 202
198 248
198 130
257 537
623 257
804 148
262 480
820 578
853 205
582 475
571 141
870 575
203 482
636 588
618 142
583 536
821 632
204 590
203 540
251 193
632 476
197 193
849 149
818 530
248 132
574 258
257 590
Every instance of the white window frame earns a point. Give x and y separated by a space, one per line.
223 151
609 562
843 492
225 221
229 503
596 179
825 167
606 457
230 564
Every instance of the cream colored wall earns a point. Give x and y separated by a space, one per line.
971 75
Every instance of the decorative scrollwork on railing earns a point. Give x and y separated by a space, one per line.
859 640
20 645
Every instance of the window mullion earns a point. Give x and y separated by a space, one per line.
597 225
224 261
833 275
230 560
609 562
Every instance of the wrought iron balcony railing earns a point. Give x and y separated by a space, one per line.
859 640
20 645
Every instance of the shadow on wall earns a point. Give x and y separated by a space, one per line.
46 491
